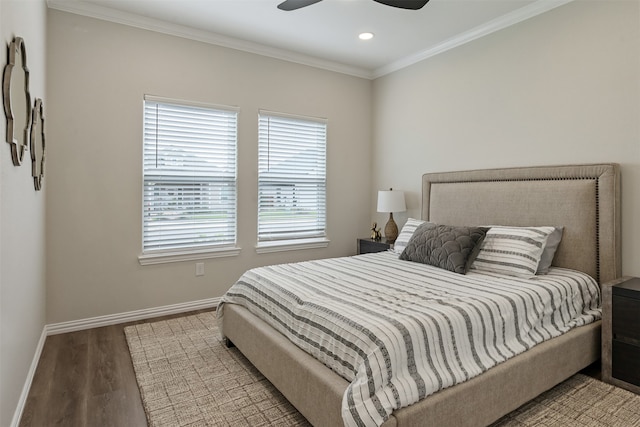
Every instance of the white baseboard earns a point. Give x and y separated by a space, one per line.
96 322
129 316
27 384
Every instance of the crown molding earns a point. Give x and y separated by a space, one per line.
507 20
106 14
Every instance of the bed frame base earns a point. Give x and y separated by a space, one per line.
317 392
585 199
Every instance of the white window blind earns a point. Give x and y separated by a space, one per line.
189 172
291 177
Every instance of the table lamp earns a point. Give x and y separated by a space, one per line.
391 201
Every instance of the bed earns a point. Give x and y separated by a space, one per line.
583 199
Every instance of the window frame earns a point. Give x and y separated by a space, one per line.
279 245
196 252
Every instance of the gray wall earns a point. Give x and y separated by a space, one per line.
98 74
563 87
22 222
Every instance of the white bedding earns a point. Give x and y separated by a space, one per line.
399 331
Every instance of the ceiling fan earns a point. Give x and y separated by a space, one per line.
403 4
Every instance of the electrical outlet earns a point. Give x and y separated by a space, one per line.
199 268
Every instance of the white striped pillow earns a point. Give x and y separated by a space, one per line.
515 251
405 234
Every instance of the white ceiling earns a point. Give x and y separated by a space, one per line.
324 34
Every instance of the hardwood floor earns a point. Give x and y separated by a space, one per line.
86 379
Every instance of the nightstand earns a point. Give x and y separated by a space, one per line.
367 246
621 333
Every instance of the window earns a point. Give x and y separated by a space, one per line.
189 196
291 180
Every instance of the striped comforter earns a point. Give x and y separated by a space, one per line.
399 331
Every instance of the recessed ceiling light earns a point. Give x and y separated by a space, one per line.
365 36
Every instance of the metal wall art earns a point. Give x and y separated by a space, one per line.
17 99
25 125
36 144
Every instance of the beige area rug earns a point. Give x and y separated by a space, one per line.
580 401
187 377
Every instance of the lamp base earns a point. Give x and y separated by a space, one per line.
391 230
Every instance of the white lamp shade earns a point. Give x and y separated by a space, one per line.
391 201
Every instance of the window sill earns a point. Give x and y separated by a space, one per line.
291 245
164 257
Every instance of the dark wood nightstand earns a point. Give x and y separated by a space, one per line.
367 246
621 333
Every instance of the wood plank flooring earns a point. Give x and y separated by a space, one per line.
86 379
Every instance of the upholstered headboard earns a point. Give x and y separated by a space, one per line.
584 199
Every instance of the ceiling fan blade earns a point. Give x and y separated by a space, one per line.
403 4
296 4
